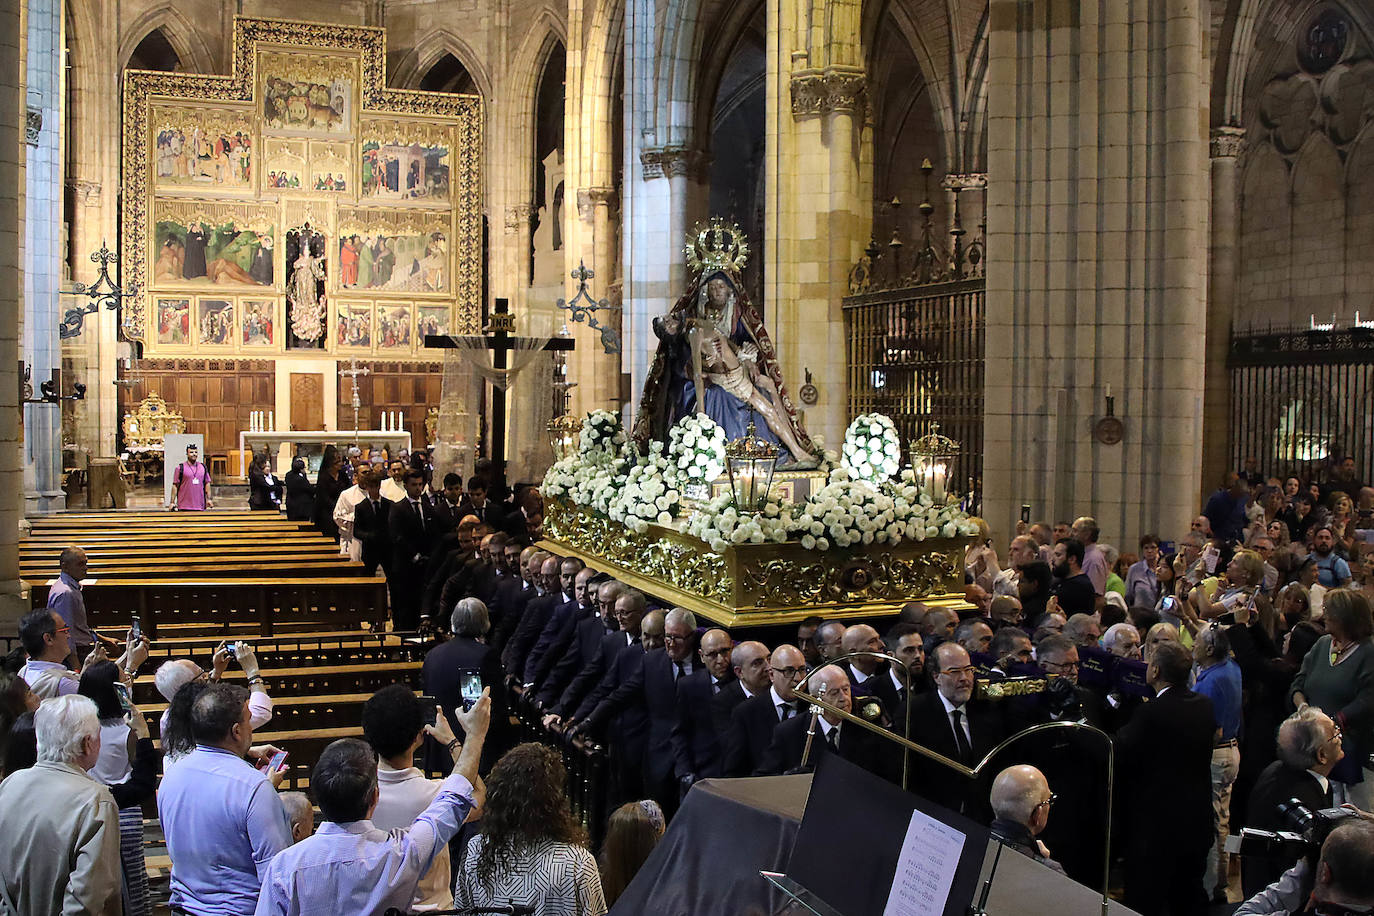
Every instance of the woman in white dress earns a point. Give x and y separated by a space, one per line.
530 851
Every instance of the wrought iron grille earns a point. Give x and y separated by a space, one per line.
916 354
1302 401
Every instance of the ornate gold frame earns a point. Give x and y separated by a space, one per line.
756 585
373 107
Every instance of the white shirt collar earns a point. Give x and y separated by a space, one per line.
747 692
859 676
896 681
1321 780
826 727
777 700
950 707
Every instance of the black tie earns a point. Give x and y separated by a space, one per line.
901 694
376 508
715 688
960 739
420 512
785 711
680 671
833 739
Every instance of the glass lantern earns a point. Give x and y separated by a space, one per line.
749 462
564 433
932 457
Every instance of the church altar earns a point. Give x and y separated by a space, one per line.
395 440
760 584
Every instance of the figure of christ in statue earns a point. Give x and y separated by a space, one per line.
714 343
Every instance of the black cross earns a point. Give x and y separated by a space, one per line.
500 324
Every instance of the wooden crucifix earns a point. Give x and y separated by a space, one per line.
500 340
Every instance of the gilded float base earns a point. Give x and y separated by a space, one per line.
760 584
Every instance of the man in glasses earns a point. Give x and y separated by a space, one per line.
833 734
1309 747
752 722
47 640
696 743
1021 803
948 721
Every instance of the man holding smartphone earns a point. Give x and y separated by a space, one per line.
387 828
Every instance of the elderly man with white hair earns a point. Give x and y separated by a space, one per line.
61 827
173 675
1021 802
1122 640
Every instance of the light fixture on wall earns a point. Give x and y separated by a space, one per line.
582 307
103 292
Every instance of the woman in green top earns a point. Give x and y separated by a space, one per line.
1337 676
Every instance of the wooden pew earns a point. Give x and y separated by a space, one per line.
273 604
51 553
227 570
307 680
33 567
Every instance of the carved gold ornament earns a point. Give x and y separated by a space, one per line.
717 245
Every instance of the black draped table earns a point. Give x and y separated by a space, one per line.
708 862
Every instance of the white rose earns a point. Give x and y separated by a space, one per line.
808 542
779 536
822 544
719 545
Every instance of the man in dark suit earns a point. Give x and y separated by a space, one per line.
413 529
696 743
864 672
903 641
622 620
557 637
514 596
371 526
947 721
626 733
1309 747
476 503
749 662
833 734
652 685
584 643
447 502
537 613
752 722
442 673
1165 751
1075 762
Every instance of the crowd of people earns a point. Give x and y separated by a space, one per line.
1231 668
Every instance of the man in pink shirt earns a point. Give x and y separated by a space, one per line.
192 482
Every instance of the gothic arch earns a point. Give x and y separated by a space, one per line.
605 56
411 66
735 21
195 55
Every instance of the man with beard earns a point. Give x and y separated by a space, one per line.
1072 586
1332 570
1023 552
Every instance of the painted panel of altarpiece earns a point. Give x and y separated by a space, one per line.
298 205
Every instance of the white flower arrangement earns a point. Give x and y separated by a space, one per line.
696 448
872 449
849 511
648 494
720 524
602 431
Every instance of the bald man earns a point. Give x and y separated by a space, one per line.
1021 802
935 716
863 671
752 722
833 734
830 640
697 750
749 663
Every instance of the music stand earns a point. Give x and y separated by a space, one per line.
850 843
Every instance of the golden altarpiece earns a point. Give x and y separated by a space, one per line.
298 206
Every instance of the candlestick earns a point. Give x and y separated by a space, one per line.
1109 389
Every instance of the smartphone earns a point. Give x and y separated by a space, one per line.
135 630
231 650
470 684
431 707
1025 514
278 762
1168 603
1227 619
1210 556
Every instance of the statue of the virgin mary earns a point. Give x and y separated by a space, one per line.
715 356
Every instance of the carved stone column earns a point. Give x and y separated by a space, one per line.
1226 146
43 189
1097 272
11 477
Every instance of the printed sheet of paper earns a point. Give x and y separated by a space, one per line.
925 869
